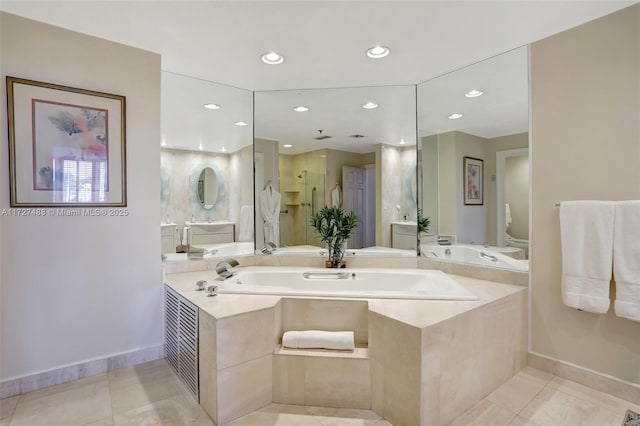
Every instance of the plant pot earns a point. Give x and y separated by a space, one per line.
343 264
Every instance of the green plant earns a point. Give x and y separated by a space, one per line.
423 222
334 228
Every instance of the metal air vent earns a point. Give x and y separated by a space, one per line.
357 136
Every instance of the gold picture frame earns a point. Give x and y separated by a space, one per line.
67 146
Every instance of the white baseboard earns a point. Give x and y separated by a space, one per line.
603 382
69 373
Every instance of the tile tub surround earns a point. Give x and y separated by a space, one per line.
473 271
427 360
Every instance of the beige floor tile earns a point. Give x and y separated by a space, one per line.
516 392
7 407
484 413
521 421
285 409
344 416
551 407
382 423
601 399
142 385
260 418
80 402
177 411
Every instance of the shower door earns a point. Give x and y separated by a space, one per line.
313 201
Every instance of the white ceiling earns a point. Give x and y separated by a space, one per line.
324 44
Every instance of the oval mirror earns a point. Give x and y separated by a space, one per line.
207 190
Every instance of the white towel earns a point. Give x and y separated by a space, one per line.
626 259
315 339
185 236
336 197
586 233
507 215
246 223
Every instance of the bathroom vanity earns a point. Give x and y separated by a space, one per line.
215 232
168 237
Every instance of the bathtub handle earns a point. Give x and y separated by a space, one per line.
488 256
325 275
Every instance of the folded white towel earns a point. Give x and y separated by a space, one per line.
626 259
315 339
246 223
185 236
586 233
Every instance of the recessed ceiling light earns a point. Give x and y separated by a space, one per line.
241 123
455 116
301 108
474 93
378 52
272 58
163 143
370 105
402 141
200 147
212 106
287 145
224 149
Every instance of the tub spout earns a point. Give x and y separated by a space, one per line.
226 268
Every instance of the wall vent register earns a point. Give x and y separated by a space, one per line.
181 339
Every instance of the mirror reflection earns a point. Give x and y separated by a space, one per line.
480 111
206 151
353 147
207 188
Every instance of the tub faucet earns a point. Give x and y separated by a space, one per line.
268 248
226 268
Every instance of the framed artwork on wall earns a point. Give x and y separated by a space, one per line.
473 181
66 146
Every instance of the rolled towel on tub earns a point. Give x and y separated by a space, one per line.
315 339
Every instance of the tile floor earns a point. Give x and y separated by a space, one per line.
150 394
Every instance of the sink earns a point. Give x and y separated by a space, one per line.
213 222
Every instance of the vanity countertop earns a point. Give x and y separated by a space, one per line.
168 225
418 313
213 222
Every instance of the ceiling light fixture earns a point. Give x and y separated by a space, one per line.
287 145
377 52
163 143
224 149
272 58
240 123
402 141
212 106
301 108
200 147
474 93
370 105
455 116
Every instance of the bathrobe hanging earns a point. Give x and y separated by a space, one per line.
270 208
336 196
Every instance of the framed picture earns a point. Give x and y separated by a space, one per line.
66 146
473 181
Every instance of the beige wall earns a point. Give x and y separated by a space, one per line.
516 193
585 86
502 143
448 184
75 289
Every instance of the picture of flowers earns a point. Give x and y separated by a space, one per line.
473 181
66 146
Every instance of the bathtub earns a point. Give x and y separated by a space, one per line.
308 250
346 283
473 255
216 250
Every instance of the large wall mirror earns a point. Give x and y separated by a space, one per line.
480 112
351 146
206 160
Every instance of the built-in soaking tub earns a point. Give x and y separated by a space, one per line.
473 255
346 283
308 250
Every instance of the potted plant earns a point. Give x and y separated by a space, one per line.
334 228
423 226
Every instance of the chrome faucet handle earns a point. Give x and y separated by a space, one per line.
201 284
212 290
